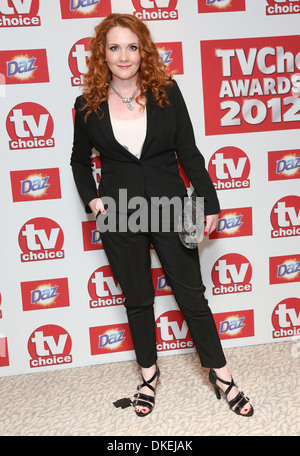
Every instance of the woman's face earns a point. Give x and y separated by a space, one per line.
122 53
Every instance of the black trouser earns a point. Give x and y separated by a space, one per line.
129 257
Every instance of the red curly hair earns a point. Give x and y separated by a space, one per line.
152 74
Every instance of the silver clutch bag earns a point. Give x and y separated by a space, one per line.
191 221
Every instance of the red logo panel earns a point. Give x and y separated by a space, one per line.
77 60
233 223
284 165
104 289
24 66
171 54
282 7
41 239
30 126
286 318
15 13
284 269
221 6
232 273
229 169
153 10
172 332
35 184
49 345
285 217
249 84
45 294
233 325
80 9
110 339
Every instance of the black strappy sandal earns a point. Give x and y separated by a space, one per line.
144 400
240 399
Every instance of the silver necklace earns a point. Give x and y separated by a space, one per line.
129 101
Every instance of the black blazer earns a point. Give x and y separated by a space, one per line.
156 173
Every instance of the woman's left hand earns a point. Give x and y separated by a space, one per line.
211 223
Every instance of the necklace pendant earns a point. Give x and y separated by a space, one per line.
130 106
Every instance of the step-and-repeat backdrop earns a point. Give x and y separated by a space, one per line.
237 63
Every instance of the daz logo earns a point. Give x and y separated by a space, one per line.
159 282
91 236
235 325
151 10
285 217
103 289
109 339
233 223
232 273
41 239
77 60
49 345
37 184
286 318
78 9
45 294
229 168
284 164
19 13
214 6
30 126
24 67
284 269
171 54
172 332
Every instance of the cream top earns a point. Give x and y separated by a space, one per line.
130 133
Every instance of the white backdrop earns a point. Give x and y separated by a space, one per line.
237 63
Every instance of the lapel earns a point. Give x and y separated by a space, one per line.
108 129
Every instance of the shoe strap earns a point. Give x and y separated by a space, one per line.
240 401
147 382
231 383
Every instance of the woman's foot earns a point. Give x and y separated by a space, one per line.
144 400
236 399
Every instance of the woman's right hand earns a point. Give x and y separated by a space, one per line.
97 205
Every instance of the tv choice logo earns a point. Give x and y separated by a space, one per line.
286 318
214 6
250 84
45 294
284 269
91 236
4 358
80 9
78 56
35 184
171 54
233 223
49 345
24 66
285 217
30 126
41 239
232 325
275 7
232 273
229 169
152 10
110 339
172 332
103 289
19 13
284 164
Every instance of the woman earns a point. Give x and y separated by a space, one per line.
133 113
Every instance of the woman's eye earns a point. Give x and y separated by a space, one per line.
113 48
133 47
